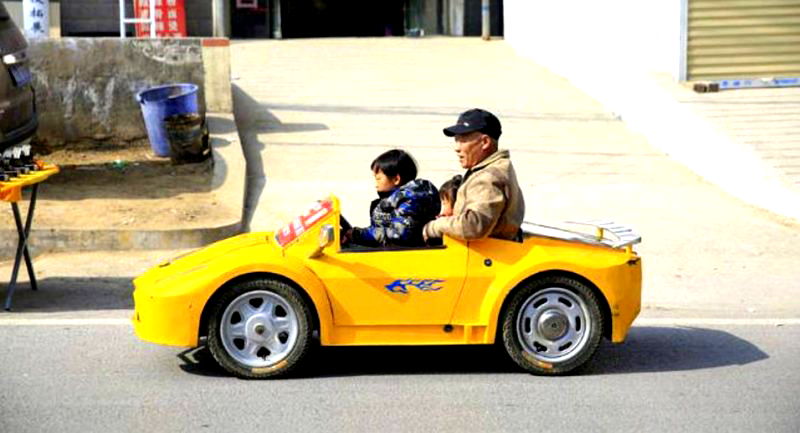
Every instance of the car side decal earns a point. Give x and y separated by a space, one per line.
424 285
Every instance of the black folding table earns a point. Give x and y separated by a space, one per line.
11 192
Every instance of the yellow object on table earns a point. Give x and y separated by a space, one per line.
11 191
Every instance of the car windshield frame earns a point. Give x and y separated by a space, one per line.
4 16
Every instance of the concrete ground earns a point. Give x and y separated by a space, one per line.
313 114
745 141
765 121
316 112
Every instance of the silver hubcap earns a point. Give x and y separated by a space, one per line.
553 325
259 328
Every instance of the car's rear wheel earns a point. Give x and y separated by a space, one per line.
552 325
260 328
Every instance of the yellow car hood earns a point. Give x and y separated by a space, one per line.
198 258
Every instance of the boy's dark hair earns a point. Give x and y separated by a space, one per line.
396 162
450 188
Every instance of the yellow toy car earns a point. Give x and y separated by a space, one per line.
263 299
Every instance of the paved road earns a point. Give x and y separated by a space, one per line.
100 378
71 363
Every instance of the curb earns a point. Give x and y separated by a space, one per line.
56 240
228 184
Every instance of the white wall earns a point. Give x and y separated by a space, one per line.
613 50
590 36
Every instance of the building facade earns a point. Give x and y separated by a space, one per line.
285 18
687 39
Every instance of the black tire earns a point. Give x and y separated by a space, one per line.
264 349
552 325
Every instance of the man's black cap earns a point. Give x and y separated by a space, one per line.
475 120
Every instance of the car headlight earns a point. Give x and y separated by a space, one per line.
14 58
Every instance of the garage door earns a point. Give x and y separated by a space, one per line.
743 39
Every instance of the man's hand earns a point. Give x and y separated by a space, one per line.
428 232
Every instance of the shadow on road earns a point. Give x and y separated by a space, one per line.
647 350
199 361
660 349
245 111
70 294
365 361
252 118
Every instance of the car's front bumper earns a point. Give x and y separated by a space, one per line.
167 316
169 298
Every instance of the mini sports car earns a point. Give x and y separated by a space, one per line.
261 301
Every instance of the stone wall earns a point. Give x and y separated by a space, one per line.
86 87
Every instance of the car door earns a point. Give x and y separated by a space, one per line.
406 286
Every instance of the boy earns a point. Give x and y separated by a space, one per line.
404 204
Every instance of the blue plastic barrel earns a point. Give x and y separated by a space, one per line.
158 103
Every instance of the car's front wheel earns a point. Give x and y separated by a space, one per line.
260 328
552 325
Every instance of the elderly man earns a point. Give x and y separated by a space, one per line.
489 201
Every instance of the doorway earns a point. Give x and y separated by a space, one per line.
337 18
250 19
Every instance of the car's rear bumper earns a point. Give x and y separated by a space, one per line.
626 303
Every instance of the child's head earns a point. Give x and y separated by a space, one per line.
448 194
392 169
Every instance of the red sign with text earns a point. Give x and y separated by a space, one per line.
301 224
170 18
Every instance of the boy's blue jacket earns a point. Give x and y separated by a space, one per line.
398 219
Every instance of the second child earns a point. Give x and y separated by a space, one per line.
448 193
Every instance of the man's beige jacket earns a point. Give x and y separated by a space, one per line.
489 203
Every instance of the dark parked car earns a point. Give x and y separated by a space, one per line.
18 120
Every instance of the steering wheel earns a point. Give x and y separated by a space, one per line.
344 227
344 224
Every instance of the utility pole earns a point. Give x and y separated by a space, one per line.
485 30
277 31
219 18
36 18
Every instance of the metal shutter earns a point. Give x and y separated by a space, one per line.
743 39
90 17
